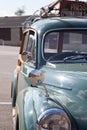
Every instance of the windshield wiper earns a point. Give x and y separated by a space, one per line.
75 57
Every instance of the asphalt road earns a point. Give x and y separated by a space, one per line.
8 61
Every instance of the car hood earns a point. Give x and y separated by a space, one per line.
69 88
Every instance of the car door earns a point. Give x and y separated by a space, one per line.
14 84
29 64
21 58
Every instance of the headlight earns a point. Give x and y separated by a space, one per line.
54 119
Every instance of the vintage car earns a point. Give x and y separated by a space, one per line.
49 85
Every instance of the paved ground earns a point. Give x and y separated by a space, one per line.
8 61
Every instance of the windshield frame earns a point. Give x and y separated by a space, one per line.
56 30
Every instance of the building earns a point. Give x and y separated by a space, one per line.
11 30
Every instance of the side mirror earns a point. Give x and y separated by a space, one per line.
36 77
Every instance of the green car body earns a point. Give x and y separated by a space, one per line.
51 86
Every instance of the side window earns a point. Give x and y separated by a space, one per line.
31 45
25 41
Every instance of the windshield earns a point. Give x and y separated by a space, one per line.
66 46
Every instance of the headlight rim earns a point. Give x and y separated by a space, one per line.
52 111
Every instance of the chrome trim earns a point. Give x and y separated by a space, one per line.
50 112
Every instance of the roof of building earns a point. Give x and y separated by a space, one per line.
14 21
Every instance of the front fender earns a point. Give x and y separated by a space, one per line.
31 103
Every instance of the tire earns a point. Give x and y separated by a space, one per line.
15 123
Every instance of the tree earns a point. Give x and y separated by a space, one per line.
20 12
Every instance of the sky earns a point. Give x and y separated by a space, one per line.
9 7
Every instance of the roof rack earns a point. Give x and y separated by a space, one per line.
73 8
43 13
58 8
29 21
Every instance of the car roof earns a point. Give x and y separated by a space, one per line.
60 23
